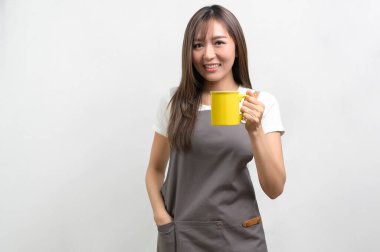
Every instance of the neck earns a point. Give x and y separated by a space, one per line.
220 86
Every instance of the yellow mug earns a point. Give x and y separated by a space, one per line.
225 107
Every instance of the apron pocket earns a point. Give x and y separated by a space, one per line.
196 236
166 238
247 236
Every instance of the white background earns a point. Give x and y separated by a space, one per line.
80 83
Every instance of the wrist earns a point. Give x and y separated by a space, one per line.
256 132
162 217
159 213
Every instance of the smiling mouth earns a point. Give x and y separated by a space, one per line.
211 67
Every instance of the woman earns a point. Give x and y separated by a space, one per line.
207 202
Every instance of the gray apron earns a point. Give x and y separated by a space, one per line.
209 194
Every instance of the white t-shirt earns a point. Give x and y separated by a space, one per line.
271 120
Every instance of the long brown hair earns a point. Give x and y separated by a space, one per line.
187 98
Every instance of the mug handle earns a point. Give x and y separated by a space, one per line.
241 97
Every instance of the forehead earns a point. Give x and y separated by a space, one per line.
209 29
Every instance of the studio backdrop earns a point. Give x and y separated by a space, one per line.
80 83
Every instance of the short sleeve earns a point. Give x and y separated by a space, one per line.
162 117
271 120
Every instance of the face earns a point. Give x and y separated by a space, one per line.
214 56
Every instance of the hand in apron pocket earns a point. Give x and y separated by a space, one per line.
166 238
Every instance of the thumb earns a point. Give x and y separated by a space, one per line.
253 93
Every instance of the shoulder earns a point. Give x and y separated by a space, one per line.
166 96
267 98
172 91
163 111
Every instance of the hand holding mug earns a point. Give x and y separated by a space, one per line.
252 110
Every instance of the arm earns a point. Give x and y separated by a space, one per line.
154 178
266 148
267 151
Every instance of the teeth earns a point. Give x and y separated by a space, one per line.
212 66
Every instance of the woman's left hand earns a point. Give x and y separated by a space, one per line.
252 111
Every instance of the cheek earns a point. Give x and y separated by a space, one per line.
232 52
196 60
228 55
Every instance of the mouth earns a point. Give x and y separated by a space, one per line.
211 67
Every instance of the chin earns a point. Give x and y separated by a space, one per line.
212 79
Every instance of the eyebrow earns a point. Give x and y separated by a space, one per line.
213 38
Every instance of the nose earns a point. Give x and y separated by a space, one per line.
209 52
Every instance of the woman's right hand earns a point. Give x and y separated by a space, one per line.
162 218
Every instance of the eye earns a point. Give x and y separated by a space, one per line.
197 45
219 42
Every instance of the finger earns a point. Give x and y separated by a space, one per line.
259 106
249 118
252 99
256 108
254 93
254 113
246 109
251 106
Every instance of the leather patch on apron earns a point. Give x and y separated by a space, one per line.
254 221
